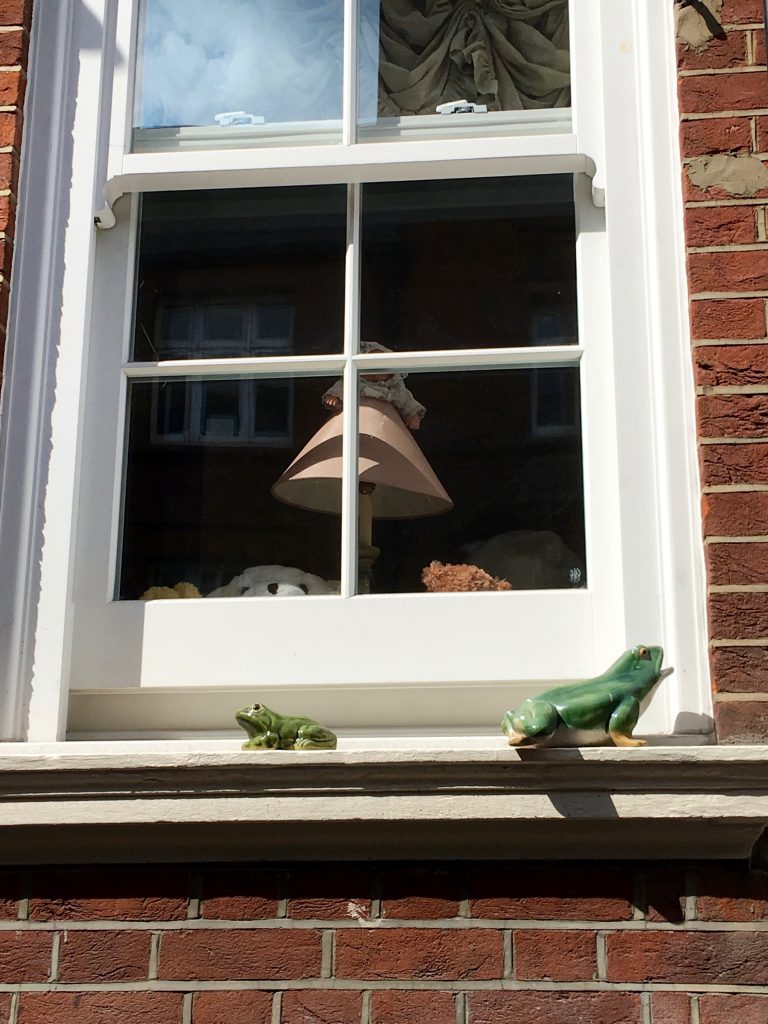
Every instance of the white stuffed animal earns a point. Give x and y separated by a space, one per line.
272 581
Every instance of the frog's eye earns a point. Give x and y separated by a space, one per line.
644 653
255 707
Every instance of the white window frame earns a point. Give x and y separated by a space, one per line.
639 432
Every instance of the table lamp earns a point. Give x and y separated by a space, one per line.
395 479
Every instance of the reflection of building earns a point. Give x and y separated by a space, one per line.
475 884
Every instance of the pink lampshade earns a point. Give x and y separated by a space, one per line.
406 486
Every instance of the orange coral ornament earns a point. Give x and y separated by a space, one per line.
438 577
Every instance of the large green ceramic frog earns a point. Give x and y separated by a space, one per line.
608 704
268 729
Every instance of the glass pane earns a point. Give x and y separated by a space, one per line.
237 72
476 263
491 478
462 60
203 458
238 273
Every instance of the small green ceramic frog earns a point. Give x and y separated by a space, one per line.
608 705
268 729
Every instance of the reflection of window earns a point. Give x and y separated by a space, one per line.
554 400
222 412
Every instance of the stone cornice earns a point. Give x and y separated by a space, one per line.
92 802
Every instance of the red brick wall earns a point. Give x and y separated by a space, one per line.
436 944
724 106
15 19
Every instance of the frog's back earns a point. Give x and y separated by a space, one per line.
586 705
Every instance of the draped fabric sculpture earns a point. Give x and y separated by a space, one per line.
508 54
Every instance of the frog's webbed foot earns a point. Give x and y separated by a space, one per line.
518 739
627 741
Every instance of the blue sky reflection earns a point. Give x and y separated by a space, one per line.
280 61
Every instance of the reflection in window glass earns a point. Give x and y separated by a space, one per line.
238 64
202 459
239 273
471 263
492 55
516 490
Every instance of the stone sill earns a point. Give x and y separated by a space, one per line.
387 799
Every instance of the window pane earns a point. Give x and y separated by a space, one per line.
236 72
491 478
203 457
241 273
469 263
456 60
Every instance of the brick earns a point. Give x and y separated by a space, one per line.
733 416
554 1007
721 53
264 954
733 464
725 1009
665 895
239 895
13 47
735 514
550 893
759 48
720 225
12 88
711 94
715 135
329 893
555 956
740 669
100 1007
5 1008
25 956
728 271
731 365
9 171
232 1008
742 12
737 564
10 130
406 1007
15 12
319 1007
742 722
108 895
762 134
739 616
735 894
10 895
712 135
727 319
98 957
688 958
433 953
671 1008
421 895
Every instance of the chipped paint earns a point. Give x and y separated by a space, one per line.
691 28
736 175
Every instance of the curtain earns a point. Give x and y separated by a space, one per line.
508 54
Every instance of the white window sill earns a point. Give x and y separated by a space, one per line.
477 798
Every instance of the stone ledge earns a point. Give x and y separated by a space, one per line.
80 802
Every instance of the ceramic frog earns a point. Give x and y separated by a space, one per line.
267 729
609 704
